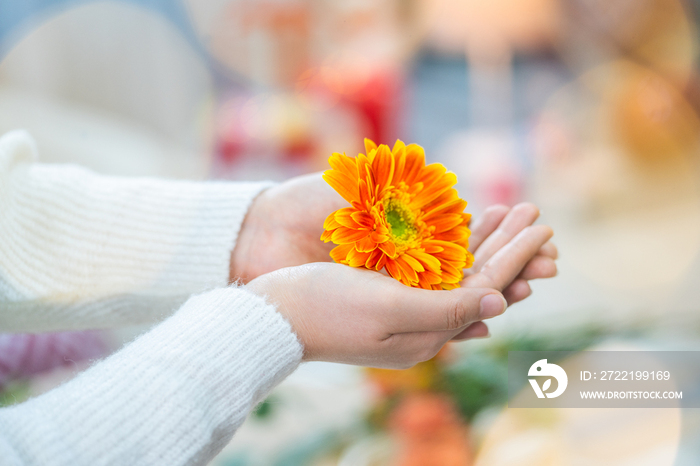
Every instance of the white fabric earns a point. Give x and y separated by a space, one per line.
80 250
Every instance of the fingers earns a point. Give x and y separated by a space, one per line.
486 224
539 267
418 310
475 330
549 250
517 291
520 217
510 260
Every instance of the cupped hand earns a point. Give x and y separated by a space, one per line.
492 232
357 316
284 225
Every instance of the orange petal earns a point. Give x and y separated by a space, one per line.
423 282
383 167
326 235
340 253
406 270
379 238
381 262
458 234
346 235
455 205
343 164
429 174
393 268
451 251
366 199
450 273
345 219
369 146
398 146
431 277
372 257
431 247
371 180
363 218
415 160
413 263
470 260
432 191
388 247
445 222
343 184
450 286
330 223
357 258
366 244
399 162
429 262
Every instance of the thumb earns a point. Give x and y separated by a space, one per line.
418 310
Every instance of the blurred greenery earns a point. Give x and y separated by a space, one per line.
13 392
481 379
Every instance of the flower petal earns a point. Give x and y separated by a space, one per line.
431 277
381 262
429 262
399 153
413 263
433 189
389 248
406 270
458 235
343 184
366 244
451 251
357 258
431 247
369 146
345 219
345 235
445 222
373 258
363 219
383 167
450 273
393 268
415 160
343 164
340 253
330 223
326 235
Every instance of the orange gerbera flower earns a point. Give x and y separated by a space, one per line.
405 216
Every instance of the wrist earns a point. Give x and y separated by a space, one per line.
251 228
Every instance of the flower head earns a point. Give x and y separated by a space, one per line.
405 216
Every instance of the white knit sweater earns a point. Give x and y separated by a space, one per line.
80 250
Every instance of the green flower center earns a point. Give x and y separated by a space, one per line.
401 221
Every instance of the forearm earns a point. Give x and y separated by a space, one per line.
88 249
174 396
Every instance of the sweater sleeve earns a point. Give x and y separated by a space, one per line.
174 396
81 250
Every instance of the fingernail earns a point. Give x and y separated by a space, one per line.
492 305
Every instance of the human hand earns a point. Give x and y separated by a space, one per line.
283 227
497 226
284 224
358 316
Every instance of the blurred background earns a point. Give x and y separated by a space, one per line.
588 108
